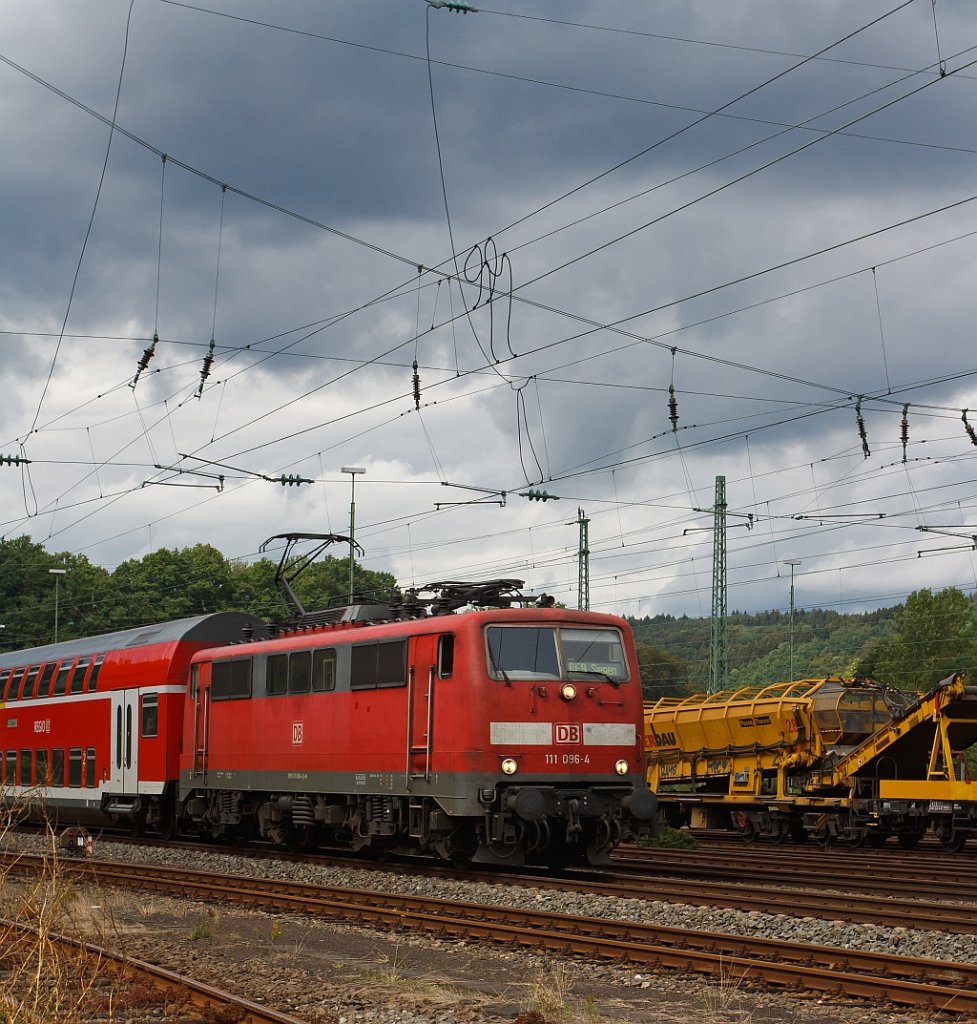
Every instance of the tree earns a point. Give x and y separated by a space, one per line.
931 637
662 674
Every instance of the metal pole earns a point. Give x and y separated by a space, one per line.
792 562
352 470
57 574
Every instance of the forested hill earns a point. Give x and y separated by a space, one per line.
910 645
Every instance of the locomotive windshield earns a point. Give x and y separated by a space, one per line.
547 652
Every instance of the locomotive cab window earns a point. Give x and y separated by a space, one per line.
545 652
594 653
523 652
149 725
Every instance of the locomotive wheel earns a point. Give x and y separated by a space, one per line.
301 839
954 842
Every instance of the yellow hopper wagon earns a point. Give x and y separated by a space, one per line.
839 760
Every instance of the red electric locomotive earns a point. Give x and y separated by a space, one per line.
92 726
494 735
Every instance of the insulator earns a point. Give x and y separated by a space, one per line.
672 407
970 430
144 360
861 428
417 387
205 369
904 434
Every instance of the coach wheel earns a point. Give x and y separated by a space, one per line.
953 842
910 840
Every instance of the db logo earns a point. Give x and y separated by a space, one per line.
567 733
297 730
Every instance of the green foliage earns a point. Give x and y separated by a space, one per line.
662 674
162 585
671 839
931 637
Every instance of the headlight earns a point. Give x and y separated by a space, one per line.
621 767
568 691
509 766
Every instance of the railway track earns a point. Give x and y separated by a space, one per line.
184 997
933 986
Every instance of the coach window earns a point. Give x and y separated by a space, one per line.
61 679
26 767
27 690
57 766
77 683
150 715
324 670
44 683
276 674
10 768
4 679
446 655
300 672
74 767
93 679
14 686
40 764
90 768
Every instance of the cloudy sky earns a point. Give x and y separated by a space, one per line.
559 211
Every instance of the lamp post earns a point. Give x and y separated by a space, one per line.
352 470
57 574
792 562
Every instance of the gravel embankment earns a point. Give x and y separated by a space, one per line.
338 974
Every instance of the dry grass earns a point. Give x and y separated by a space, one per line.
41 980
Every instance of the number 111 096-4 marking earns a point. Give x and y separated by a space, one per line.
567 758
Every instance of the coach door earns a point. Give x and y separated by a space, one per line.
125 741
421 673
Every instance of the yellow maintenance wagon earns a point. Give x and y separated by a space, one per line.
837 759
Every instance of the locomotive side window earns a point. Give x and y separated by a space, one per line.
44 684
378 664
77 683
149 723
230 680
517 652
61 680
10 768
40 764
324 670
300 672
594 653
57 766
446 655
74 767
93 680
26 767
276 674
90 768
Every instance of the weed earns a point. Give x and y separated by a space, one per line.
670 838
